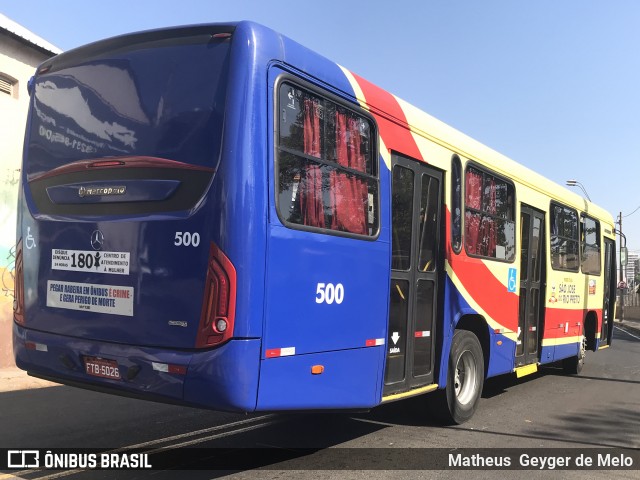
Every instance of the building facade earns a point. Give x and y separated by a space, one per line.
633 269
21 51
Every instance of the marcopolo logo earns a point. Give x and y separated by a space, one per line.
23 459
99 191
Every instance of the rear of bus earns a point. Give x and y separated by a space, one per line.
135 228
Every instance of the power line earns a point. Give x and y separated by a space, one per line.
629 214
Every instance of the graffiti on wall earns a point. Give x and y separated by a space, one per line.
8 201
7 273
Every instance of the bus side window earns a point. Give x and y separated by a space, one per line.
564 239
489 216
456 204
327 176
590 245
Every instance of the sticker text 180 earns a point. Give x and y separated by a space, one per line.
87 261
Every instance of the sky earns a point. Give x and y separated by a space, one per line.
552 84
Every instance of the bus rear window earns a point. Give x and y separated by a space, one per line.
160 98
326 169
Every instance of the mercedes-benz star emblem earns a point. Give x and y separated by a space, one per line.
97 239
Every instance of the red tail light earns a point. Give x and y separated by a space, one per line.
219 304
18 287
106 163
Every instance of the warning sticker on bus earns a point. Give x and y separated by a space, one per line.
88 261
111 299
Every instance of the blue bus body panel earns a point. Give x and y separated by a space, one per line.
300 263
351 379
166 285
241 223
193 131
223 379
547 354
566 351
153 132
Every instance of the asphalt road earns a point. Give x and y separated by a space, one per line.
599 408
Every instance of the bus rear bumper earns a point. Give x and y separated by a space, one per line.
225 378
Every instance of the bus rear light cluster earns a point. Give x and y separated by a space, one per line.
18 287
219 304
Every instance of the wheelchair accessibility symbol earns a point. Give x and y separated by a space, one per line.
30 242
511 284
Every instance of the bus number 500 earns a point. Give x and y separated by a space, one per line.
187 239
329 293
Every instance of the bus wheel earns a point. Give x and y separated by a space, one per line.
573 365
458 401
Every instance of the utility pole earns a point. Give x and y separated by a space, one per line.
621 274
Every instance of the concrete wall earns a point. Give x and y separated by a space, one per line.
630 313
18 61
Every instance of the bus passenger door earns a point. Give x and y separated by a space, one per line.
532 263
609 292
416 259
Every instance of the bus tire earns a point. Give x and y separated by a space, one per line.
573 365
458 401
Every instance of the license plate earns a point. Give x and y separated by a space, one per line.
102 367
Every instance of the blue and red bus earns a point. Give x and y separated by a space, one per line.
216 216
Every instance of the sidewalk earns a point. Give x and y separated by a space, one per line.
12 378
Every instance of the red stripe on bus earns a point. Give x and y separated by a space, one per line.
488 292
392 125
